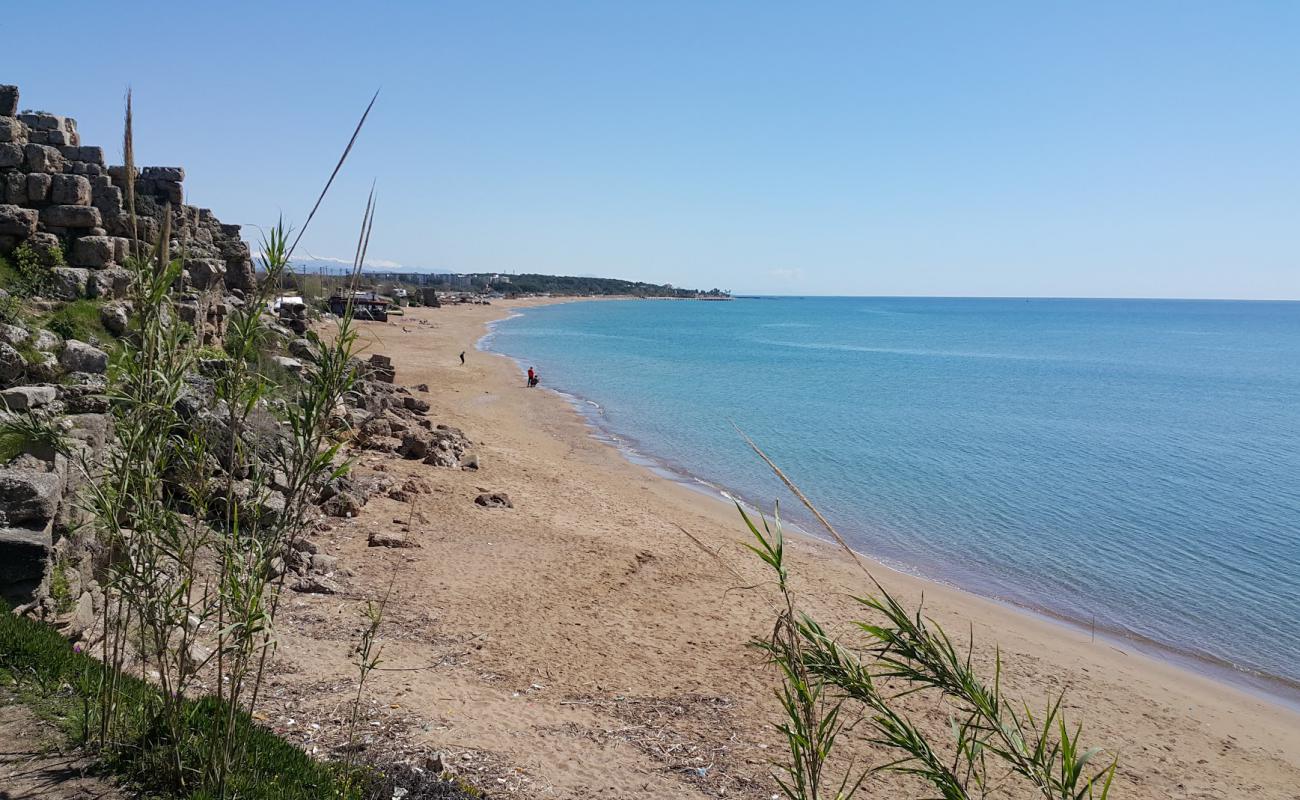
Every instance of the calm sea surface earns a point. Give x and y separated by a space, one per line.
1136 462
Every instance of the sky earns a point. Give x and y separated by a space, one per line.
1100 149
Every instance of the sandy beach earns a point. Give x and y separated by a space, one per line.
579 645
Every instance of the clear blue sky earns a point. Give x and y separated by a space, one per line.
1094 149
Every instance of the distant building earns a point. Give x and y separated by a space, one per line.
365 305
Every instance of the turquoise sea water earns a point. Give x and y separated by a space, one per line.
1132 462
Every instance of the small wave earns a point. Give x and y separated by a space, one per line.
902 351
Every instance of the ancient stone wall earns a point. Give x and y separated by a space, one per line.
52 185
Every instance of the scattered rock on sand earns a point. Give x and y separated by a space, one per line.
315 584
391 539
494 500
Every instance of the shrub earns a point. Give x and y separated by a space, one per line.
31 268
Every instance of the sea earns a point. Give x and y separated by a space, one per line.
1128 466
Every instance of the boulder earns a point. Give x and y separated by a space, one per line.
12 131
112 282
343 504
14 335
381 369
300 348
38 187
414 445
93 251
12 154
23 555
22 398
16 221
43 367
68 283
315 584
81 357
114 317
28 498
494 500
174 174
12 364
415 404
206 273
69 216
14 189
71 190
390 539
46 341
291 365
42 158
8 100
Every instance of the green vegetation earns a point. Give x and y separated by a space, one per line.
78 319
566 285
62 685
831 691
27 272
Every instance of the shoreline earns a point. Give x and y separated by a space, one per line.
578 645
1275 689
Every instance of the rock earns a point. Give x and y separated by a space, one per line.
494 500
12 364
71 190
300 348
69 216
93 251
174 174
81 357
415 404
14 335
38 187
343 504
42 158
112 282
12 154
381 368
287 364
115 318
68 283
305 546
469 462
28 498
15 221
423 387
390 539
22 398
43 367
315 584
14 189
12 131
323 563
46 341
206 273
8 100
23 554
385 444
82 617
414 445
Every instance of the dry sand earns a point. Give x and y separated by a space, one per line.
579 645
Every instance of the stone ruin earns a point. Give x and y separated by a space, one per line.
54 188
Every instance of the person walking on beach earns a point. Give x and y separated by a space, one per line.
462 358
531 375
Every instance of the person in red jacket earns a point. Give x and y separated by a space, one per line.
531 378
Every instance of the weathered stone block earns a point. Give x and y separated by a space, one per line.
206 273
12 155
14 190
43 158
38 187
22 398
8 100
93 251
111 283
56 138
69 283
94 155
70 190
171 191
12 364
121 249
11 130
171 174
16 221
28 497
41 121
67 216
23 555
81 357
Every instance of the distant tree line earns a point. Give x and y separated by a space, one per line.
571 285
